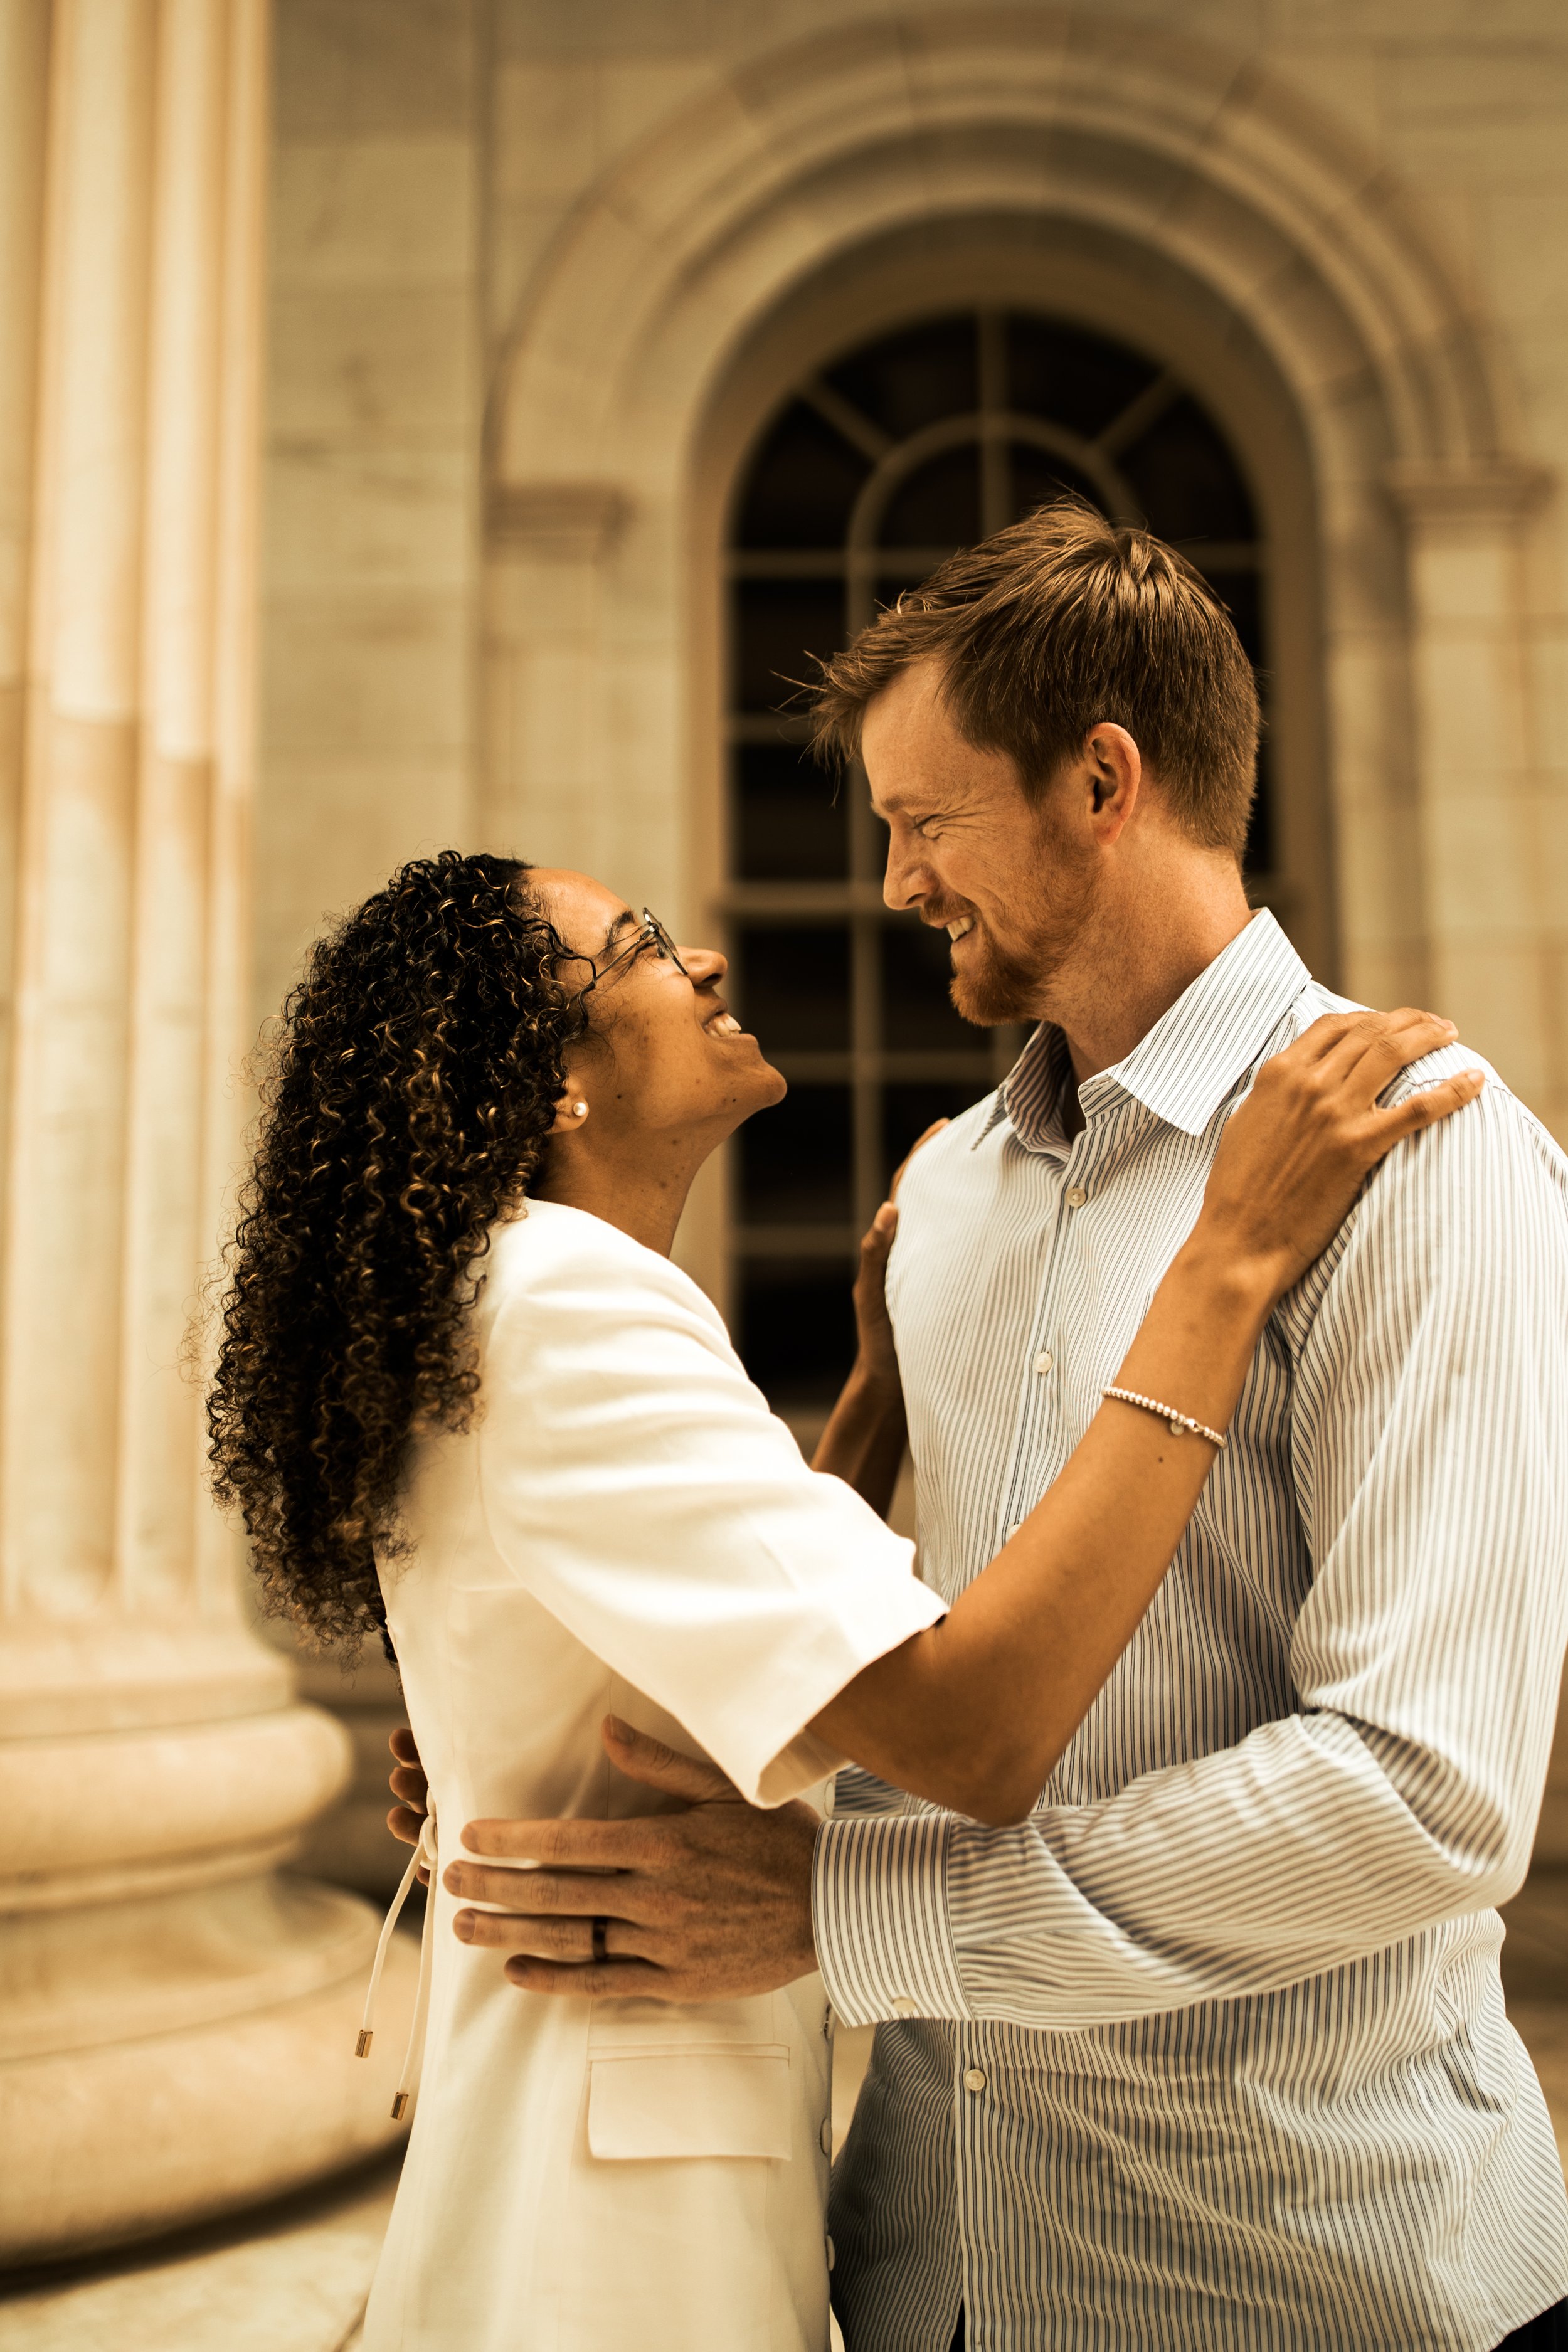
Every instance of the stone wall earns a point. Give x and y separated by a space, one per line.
435 167
370 500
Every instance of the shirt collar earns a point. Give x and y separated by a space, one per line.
1183 1068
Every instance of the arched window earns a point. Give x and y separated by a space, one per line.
872 472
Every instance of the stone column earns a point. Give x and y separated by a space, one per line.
176 2020
23 37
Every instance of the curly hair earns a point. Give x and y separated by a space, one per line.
413 1084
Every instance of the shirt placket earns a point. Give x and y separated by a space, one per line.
1037 1451
1039 1439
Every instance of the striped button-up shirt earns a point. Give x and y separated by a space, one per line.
1210 2052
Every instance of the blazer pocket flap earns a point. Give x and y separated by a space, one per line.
690 2103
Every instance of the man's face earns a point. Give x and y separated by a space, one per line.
1012 881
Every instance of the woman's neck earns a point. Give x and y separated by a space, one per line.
641 1192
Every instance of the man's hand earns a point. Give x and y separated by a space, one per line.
709 1904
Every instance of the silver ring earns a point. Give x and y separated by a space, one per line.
600 1952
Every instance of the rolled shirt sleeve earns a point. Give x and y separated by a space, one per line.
634 1481
1430 1435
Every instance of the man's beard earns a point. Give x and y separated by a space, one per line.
997 983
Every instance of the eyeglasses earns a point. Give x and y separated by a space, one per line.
650 933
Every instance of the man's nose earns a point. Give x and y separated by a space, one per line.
904 884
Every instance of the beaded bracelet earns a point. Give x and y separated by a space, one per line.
1179 1421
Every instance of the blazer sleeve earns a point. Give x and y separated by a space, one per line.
637 1485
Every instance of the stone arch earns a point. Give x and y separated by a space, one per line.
616 396
1203 156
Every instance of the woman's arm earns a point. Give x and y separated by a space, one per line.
863 1441
974 1713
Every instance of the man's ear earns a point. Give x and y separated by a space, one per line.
1114 768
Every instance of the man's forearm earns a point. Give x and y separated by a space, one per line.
1231 1876
863 1441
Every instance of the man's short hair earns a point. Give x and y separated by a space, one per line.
1053 626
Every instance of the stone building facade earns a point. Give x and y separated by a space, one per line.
608 357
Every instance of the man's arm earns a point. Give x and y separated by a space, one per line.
1430 1432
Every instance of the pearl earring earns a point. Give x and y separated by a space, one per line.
579 1110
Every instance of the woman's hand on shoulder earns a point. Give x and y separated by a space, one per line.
1298 1151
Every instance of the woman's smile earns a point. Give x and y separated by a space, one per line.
722 1022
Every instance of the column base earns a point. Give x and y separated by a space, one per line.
255 2091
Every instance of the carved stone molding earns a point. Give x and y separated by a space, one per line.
1474 490
574 522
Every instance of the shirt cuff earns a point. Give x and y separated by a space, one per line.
879 1917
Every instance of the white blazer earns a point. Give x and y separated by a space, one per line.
625 1527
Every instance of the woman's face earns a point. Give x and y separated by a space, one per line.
665 1054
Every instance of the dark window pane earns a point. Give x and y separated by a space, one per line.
796 1160
1039 474
797 1328
792 984
917 1009
803 483
914 377
938 505
791 817
907 1111
1188 483
1074 379
779 623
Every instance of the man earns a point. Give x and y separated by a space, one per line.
1210 2052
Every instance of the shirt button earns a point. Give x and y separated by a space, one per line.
831 2254
905 2007
975 2079
826 2136
1076 1196
1044 1360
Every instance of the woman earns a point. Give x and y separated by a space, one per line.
463 1392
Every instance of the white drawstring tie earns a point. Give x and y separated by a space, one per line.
408 2079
